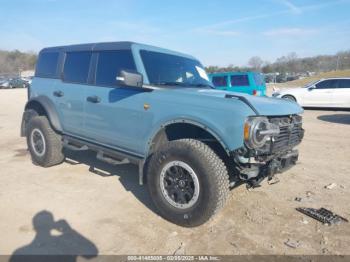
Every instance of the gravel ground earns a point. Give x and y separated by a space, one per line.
86 206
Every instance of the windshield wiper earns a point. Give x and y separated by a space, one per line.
202 85
182 84
169 84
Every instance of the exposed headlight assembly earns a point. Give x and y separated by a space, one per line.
258 130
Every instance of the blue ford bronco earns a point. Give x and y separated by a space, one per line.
135 103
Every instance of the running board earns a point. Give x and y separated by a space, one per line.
100 156
106 154
66 144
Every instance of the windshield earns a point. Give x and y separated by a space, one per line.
310 84
172 70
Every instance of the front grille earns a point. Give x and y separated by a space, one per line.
291 133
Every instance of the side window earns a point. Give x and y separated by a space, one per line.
219 81
239 80
47 65
326 84
76 67
258 79
344 83
110 63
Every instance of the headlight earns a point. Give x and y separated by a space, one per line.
258 130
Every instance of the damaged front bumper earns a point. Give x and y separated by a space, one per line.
277 165
282 163
278 154
253 172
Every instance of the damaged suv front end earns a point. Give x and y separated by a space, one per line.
268 149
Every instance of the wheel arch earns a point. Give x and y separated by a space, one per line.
289 95
184 128
41 105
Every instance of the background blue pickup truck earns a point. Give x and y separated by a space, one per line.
134 103
252 83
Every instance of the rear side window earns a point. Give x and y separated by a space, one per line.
344 83
76 67
258 79
109 65
327 84
239 80
47 65
219 81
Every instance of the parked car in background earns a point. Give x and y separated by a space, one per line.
330 92
15 82
18 83
28 79
281 78
4 83
252 83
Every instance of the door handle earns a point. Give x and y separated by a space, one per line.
58 93
93 99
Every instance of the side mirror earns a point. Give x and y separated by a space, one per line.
311 87
130 78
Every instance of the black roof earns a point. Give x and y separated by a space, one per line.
91 47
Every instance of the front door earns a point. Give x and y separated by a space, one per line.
115 115
321 95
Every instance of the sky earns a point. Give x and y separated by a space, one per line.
217 32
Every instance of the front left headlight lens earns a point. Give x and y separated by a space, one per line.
258 130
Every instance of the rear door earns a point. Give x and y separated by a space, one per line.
321 95
341 95
70 92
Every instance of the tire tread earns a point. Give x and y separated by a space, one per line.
216 170
54 154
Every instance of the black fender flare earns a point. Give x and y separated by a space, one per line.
50 111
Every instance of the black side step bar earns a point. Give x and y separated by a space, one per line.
106 154
244 100
73 147
110 160
110 155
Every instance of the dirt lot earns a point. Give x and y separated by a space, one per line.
107 211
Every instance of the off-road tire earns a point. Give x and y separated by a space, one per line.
289 97
212 176
53 154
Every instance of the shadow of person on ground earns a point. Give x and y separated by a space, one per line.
127 173
336 118
54 241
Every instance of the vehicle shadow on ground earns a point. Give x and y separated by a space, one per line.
54 241
336 118
127 173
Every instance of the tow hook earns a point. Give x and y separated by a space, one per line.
268 172
272 168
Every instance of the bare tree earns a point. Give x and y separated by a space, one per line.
291 64
256 63
11 62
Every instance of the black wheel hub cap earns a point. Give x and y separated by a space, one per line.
179 184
